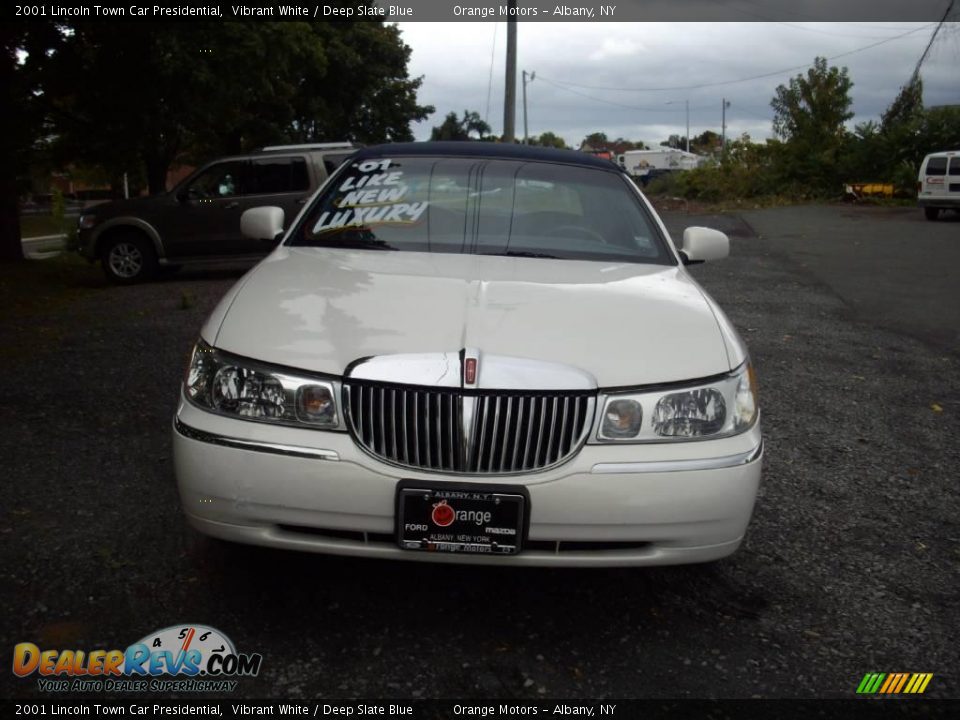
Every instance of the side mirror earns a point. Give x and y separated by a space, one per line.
701 244
188 194
262 223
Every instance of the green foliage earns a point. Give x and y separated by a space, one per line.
815 154
809 116
706 143
907 108
454 128
677 141
622 144
549 139
596 141
122 95
814 108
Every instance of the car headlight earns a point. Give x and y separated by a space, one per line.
716 408
247 389
85 222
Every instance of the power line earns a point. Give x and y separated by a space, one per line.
809 18
833 34
933 37
740 80
611 102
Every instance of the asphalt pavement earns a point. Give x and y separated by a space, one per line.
849 567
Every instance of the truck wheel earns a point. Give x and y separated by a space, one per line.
128 258
931 213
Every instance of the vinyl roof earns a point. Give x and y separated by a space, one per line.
492 150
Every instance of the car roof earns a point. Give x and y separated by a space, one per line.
490 150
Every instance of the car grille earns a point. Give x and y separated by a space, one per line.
511 431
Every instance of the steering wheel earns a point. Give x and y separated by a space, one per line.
578 230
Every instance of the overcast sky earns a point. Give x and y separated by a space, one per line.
631 62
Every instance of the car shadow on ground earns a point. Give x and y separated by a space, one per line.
297 582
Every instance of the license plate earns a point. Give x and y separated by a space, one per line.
460 518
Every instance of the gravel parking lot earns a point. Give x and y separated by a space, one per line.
850 566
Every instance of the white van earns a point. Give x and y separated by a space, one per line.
938 185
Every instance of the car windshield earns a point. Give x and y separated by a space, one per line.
484 207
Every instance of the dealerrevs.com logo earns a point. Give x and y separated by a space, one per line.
198 658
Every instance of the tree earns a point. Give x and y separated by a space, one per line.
813 109
365 93
12 142
24 129
705 143
906 108
596 141
549 139
146 93
898 135
809 116
676 141
454 128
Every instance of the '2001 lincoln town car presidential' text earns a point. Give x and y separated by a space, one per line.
466 352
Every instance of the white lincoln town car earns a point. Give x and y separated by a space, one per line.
475 353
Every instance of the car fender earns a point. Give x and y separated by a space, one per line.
129 221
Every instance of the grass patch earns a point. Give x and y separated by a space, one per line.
32 287
40 225
37 296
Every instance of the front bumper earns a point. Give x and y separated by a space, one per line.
86 243
939 201
659 504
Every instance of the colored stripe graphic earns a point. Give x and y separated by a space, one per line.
891 679
871 683
894 683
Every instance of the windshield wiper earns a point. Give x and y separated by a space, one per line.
524 253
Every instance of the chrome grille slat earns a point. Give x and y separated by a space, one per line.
427 426
516 435
371 414
526 446
450 424
482 422
543 422
406 456
383 413
421 427
438 427
562 442
551 433
492 455
505 445
393 423
416 428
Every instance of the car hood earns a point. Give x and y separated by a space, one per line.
130 206
323 309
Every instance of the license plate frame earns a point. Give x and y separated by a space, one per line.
502 533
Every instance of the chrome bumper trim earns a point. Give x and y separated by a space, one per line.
258 445
663 466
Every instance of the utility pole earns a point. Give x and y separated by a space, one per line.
510 86
533 75
723 124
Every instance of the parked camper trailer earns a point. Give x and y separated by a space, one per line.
644 165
